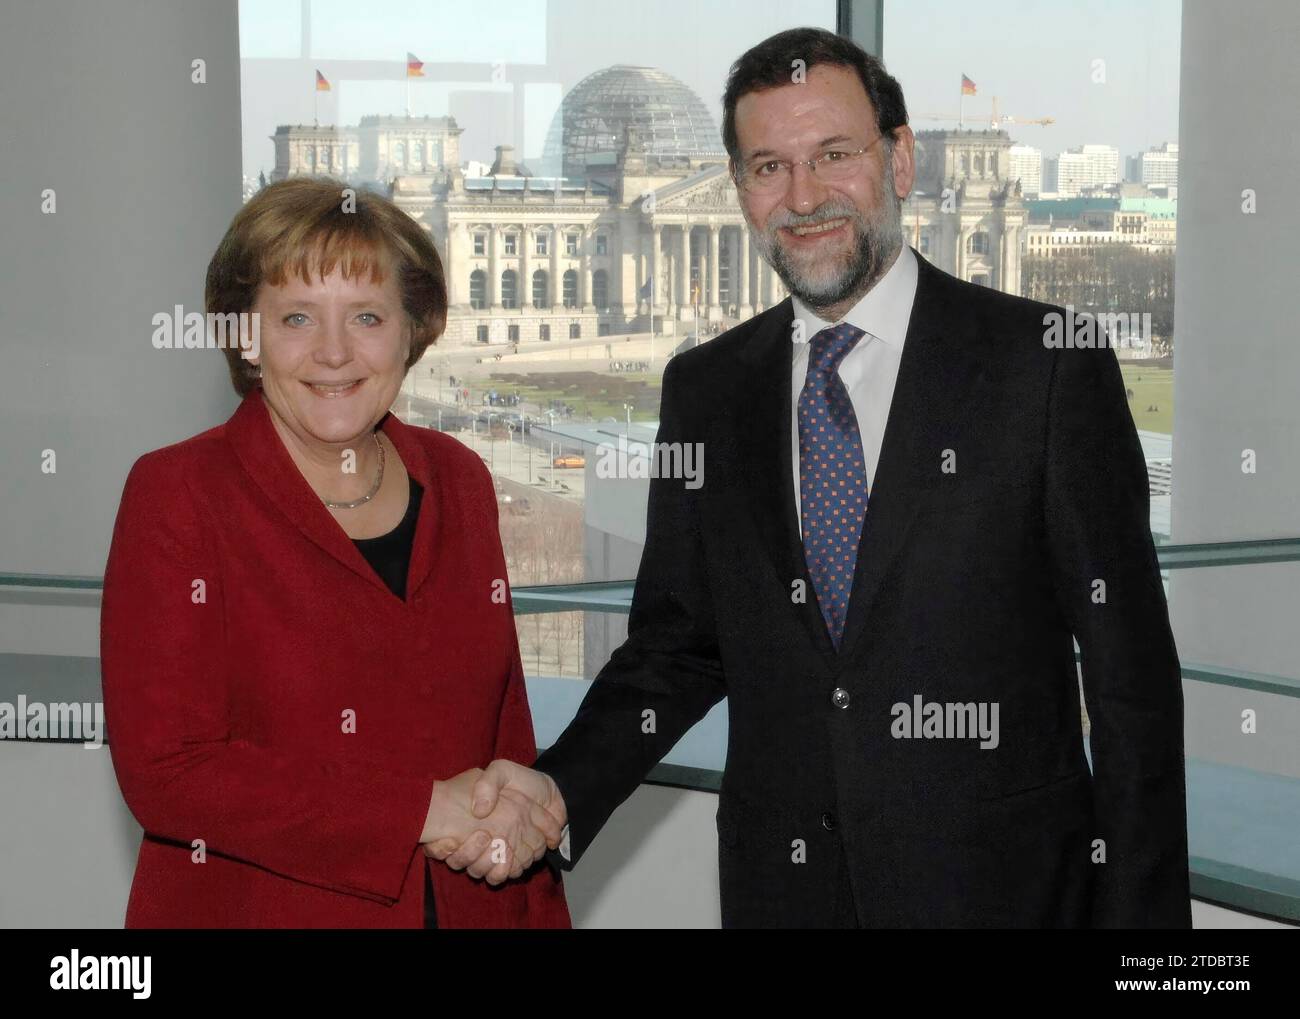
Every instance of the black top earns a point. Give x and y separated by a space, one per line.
389 555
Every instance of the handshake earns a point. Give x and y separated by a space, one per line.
494 822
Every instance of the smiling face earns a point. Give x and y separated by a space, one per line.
333 356
828 243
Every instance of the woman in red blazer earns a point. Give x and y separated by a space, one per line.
307 638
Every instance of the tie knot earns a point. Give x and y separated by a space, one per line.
829 346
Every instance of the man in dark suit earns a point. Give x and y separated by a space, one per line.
914 501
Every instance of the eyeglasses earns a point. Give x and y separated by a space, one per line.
764 176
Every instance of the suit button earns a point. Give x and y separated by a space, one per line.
840 698
828 821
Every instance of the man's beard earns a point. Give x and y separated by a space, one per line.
875 241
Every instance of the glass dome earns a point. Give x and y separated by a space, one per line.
669 118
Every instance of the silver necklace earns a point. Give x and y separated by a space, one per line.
379 480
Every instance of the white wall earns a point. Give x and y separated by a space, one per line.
145 169
1237 368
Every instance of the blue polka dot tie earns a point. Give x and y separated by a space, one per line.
832 475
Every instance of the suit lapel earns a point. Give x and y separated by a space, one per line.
769 467
419 464
263 457
940 379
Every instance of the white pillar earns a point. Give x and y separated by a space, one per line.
684 271
1236 474
99 397
715 263
584 274
525 271
556 289
656 288
494 269
744 310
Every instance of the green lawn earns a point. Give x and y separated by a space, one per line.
603 396
598 394
1152 387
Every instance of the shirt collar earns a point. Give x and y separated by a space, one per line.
884 310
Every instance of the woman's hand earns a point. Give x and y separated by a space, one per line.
501 845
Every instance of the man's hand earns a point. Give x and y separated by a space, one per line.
504 782
495 843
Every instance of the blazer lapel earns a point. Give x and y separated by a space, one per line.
769 466
419 464
939 381
262 454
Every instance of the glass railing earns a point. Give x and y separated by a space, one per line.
1243 824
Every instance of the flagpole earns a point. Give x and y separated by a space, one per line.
961 107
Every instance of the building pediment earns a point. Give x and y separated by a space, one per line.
709 188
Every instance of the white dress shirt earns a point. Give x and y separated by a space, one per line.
870 369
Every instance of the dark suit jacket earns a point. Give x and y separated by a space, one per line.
225 714
968 589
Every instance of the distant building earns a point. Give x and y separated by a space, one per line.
1086 168
636 220
1051 167
1027 167
379 149
1159 167
641 224
966 213
1132 214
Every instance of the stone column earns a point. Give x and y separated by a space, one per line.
1013 283
743 308
584 274
684 272
556 289
715 262
493 295
656 288
455 272
525 269
642 270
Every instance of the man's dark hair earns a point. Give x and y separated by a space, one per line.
770 64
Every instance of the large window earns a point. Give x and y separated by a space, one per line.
1047 166
1055 179
509 145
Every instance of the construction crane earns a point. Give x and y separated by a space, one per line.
995 121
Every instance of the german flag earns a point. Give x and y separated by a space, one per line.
967 86
322 83
414 68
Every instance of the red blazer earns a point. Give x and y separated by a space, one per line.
242 629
